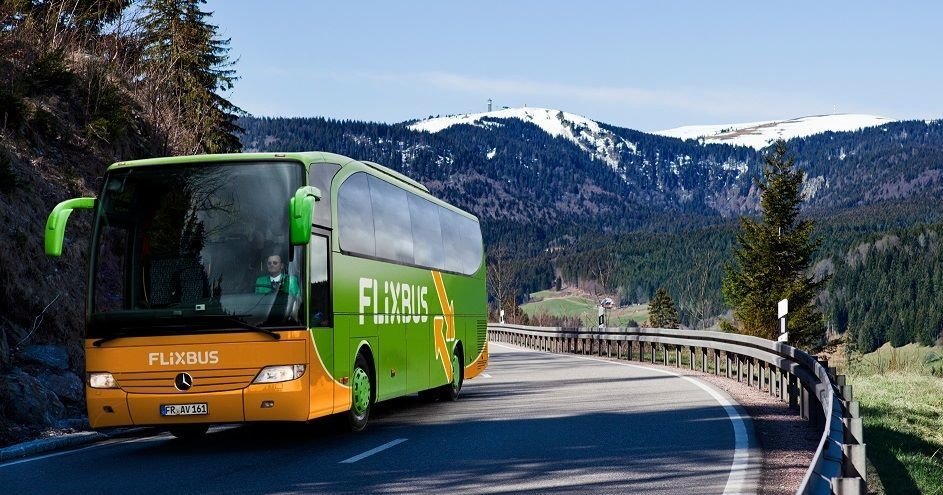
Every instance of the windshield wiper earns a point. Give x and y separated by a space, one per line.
246 325
113 336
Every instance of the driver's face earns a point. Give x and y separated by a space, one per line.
274 264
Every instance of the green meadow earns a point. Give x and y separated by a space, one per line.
901 395
569 304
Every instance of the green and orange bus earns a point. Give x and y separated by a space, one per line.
273 287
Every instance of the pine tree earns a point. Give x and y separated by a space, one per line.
772 261
661 310
184 66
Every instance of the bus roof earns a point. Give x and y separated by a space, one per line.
305 157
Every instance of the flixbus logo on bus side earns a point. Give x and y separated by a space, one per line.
393 302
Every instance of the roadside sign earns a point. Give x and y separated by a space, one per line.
783 308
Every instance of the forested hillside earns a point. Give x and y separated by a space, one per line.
659 212
82 85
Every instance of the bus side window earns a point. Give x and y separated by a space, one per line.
320 308
320 177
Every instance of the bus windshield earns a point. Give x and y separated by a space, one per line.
196 248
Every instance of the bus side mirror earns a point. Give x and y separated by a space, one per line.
55 224
301 214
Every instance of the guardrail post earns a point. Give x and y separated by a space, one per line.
664 353
677 356
703 360
846 393
854 429
793 391
848 486
751 367
773 376
653 351
810 408
762 366
854 464
766 378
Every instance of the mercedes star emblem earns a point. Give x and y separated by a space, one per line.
183 382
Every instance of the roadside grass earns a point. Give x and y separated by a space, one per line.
901 396
566 304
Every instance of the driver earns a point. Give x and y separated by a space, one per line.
277 279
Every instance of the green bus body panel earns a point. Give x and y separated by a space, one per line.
398 305
405 354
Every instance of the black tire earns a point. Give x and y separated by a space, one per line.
189 433
359 412
450 391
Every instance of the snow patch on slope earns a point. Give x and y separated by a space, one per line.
761 134
585 133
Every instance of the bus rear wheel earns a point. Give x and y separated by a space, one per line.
361 394
189 433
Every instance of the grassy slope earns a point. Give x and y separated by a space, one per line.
570 304
902 407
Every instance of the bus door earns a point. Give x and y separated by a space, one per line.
321 321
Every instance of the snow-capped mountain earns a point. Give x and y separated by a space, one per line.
600 143
536 166
759 135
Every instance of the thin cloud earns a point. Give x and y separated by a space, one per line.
717 102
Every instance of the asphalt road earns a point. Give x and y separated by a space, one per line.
535 423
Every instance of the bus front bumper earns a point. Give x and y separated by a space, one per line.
284 401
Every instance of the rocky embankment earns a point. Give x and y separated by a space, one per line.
41 395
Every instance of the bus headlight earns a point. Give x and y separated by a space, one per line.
102 380
275 374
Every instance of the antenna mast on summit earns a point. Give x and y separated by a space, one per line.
489 104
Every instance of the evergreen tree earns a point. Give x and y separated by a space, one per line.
772 260
184 66
661 310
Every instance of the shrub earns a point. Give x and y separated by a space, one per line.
109 116
48 74
44 123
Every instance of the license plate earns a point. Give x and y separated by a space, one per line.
183 409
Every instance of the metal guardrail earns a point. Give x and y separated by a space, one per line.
808 385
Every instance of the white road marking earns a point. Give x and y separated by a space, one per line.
741 454
373 451
485 375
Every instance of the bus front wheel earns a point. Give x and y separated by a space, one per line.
361 392
450 391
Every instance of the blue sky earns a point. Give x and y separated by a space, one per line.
645 66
